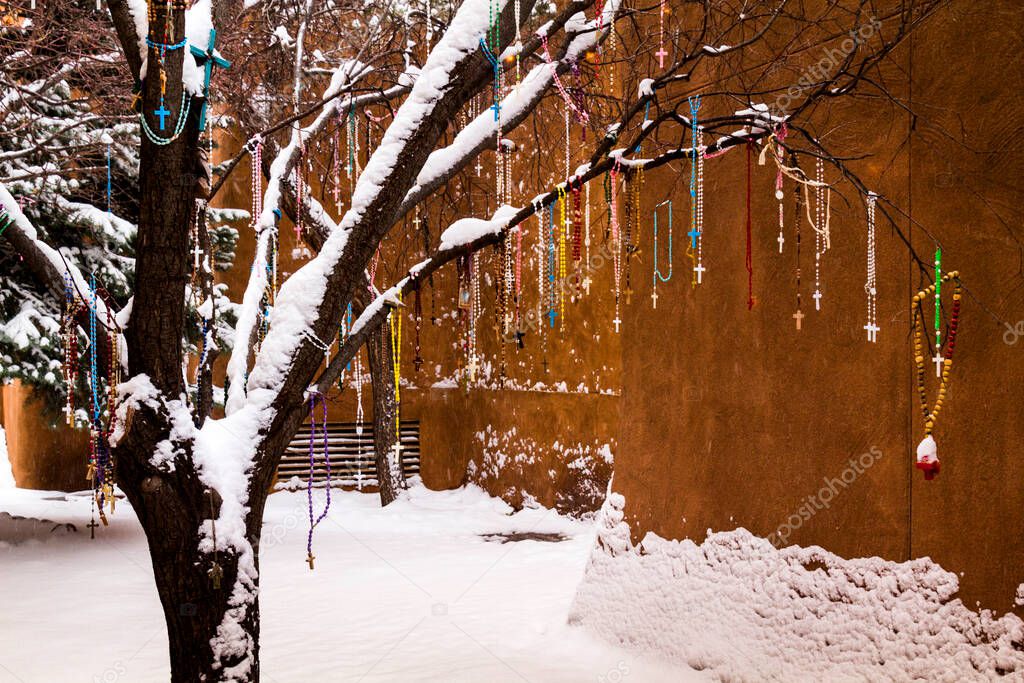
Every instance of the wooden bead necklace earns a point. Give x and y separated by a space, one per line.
927 458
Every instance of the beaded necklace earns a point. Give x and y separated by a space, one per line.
657 274
871 284
616 242
395 321
313 398
927 457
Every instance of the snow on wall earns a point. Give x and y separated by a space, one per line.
520 470
750 612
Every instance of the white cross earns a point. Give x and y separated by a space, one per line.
938 363
473 365
416 221
617 323
479 166
397 448
67 412
798 316
197 252
97 5
872 331
654 298
699 269
661 54
817 300
781 241
586 284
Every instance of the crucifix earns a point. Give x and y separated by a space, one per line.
699 269
162 113
617 323
92 528
694 233
216 574
197 251
208 60
654 298
817 299
798 316
520 335
309 560
545 364
781 240
872 330
473 365
661 54
586 284
938 360
479 167
551 316
397 448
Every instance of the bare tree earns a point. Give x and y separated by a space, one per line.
200 499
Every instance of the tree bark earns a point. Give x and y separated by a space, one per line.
390 475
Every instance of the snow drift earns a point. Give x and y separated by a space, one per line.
748 611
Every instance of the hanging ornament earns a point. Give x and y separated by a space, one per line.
871 284
418 360
750 251
820 223
798 197
927 455
313 398
562 239
586 243
395 324
697 153
657 274
610 195
661 53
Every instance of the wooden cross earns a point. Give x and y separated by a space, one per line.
545 364
661 54
798 316
92 528
418 362
520 335
208 59
938 362
781 241
162 113
817 300
617 323
629 295
699 269
309 560
872 330
654 298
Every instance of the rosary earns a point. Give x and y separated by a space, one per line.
313 398
657 275
696 234
871 284
927 454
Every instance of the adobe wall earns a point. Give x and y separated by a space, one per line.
733 418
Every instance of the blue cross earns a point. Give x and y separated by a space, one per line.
163 112
497 108
551 316
208 59
694 233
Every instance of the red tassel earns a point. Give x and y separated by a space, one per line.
750 256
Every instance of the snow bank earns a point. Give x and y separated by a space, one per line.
748 611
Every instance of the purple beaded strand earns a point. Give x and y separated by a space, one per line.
312 463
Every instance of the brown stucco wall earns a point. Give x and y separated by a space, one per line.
44 453
733 418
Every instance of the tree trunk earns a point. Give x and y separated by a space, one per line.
382 381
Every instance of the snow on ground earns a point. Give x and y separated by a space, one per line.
738 606
423 590
6 474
